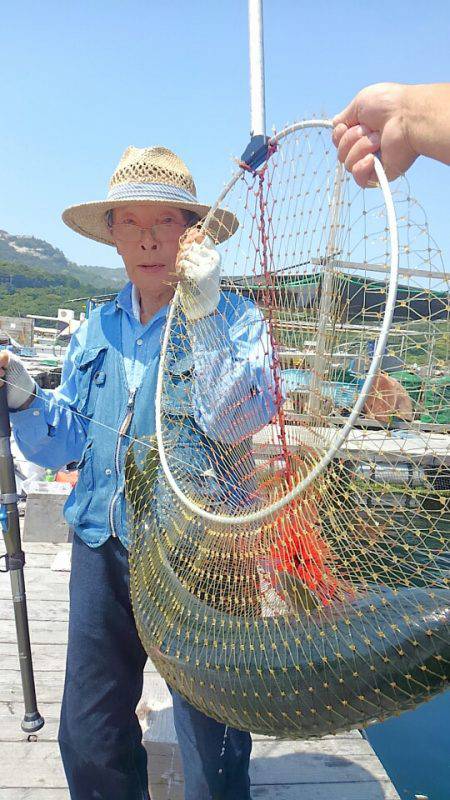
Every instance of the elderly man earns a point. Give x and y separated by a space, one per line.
106 395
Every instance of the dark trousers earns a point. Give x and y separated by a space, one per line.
100 736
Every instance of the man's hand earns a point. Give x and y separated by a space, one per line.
198 265
387 398
20 386
375 120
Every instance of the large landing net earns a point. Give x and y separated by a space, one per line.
289 562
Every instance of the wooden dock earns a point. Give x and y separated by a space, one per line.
343 767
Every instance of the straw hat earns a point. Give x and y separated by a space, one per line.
151 176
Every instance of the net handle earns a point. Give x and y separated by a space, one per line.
264 514
256 54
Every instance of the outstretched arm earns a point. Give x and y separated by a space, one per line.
401 121
49 430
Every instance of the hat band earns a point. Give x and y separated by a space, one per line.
150 191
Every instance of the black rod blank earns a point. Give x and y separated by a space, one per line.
14 564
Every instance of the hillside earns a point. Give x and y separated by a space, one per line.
26 290
28 251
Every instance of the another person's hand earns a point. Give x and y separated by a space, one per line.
377 119
20 386
198 265
387 398
401 121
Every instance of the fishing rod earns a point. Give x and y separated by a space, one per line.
14 564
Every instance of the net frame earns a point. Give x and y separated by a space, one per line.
273 508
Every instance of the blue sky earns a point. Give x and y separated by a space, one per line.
83 80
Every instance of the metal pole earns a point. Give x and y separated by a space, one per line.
14 564
256 50
256 151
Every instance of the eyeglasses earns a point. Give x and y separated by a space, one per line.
162 232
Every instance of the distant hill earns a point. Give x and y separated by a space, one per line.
25 289
32 252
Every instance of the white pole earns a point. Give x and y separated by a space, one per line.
256 49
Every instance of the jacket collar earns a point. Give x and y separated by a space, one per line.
128 301
124 299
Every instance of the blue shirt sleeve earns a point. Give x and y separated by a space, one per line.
234 391
51 432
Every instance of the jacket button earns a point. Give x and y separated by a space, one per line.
138 341
108 471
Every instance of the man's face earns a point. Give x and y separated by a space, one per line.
150 256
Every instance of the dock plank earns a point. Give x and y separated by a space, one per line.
40 584
42 609
294 792
337 791
313 762
46 657
14 709
42 765
39 761
10 730
23 793
34 548
50 685
40 631
39 560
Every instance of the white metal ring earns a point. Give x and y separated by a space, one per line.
260 515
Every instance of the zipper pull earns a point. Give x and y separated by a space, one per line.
126 423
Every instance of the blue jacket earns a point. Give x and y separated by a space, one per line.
98 408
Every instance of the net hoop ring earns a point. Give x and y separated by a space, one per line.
263 514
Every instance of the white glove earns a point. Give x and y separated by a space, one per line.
20 386
199 268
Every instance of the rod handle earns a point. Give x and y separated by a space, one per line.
5 427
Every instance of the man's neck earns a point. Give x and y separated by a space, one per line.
150 304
